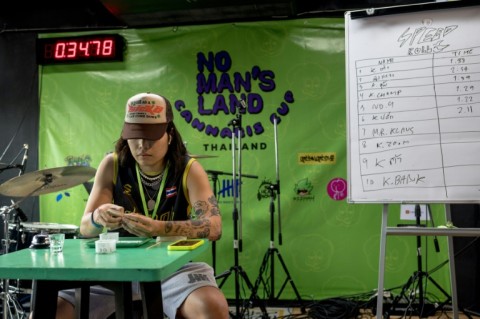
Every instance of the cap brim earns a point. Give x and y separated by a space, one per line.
143 131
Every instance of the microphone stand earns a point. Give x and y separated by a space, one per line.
22 166
214 175
272 251
214 243
236 124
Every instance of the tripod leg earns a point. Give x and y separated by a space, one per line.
288 279
438 286
449 298
224 276
254 297
240 273
214 257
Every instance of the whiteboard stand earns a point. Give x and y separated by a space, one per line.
402 104
381 271
421 231
451 262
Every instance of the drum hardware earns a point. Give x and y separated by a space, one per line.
10 304
20 213
21 167
33 235
33 184
40 241
28 235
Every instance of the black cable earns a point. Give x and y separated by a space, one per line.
334 308
13 138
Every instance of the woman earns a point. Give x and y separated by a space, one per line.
148 188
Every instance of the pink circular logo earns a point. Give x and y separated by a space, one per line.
337 188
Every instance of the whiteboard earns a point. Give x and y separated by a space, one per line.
413 105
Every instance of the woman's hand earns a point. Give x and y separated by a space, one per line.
109 215
139 225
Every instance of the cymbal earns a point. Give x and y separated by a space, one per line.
201 156
46 181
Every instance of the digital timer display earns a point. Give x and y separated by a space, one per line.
91 48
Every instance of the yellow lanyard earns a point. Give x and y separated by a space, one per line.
160 191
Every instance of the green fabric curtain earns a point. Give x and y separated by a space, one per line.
291 71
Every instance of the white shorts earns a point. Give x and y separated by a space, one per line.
175 289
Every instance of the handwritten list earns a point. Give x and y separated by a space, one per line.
414 112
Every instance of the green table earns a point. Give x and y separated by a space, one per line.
80 267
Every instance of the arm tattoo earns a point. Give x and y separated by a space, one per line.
214 210
190 228
198 227
200 208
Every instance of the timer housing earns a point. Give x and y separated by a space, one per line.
80 49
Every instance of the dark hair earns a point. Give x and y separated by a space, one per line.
175 154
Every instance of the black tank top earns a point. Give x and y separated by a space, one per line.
174 203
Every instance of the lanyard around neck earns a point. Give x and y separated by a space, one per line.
142 194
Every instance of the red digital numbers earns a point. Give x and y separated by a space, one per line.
80 49
75 49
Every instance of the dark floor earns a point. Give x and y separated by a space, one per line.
334 308
338 308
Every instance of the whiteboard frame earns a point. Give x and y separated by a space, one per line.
375 12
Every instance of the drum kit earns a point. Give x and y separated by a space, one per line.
20 234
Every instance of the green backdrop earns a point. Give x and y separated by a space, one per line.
291 70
